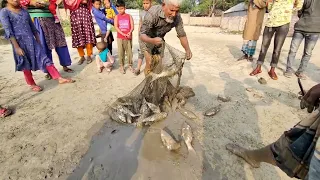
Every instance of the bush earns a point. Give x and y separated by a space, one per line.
66 26
186 6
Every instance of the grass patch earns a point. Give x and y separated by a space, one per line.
66 26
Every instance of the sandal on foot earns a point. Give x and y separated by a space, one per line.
65 81
4 112
36 88
89 60
82 59
68 70
273 76
253 73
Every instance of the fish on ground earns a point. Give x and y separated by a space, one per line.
168 141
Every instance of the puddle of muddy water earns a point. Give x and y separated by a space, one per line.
138 153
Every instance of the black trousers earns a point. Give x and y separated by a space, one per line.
280 33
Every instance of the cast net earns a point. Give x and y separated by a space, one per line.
157 94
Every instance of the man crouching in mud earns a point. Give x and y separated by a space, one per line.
297 151
158 21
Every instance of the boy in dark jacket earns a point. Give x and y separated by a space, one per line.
308 28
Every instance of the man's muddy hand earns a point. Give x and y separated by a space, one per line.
188 54
311 99
157 41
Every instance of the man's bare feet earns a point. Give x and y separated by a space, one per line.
122 70
100 69
242 153
256 71
65 80
244 57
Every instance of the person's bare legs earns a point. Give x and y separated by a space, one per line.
137 70
253 157
147 57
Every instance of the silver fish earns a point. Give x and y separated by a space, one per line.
168 141
224 98
186 92
166 73
186 134
262 81
152 119
118 116
187 113
174 104
213 111
126 111
129 119
182 102
155 109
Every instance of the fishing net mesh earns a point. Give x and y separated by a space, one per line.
154 91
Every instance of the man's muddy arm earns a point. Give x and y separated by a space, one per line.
185 43
145 28
182 34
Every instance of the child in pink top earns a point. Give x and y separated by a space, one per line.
123 23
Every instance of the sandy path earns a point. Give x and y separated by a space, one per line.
50 132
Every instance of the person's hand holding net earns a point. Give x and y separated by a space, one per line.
311 99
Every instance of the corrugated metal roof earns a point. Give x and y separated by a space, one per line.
239 7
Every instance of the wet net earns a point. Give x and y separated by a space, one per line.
157 94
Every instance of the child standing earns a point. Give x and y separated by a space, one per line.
111 12
123 23
146 7
83 33
104 59
27 51
103 22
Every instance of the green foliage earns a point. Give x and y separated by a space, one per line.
66 26
187 6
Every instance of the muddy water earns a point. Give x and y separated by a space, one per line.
125 152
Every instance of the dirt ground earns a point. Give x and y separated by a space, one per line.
64 133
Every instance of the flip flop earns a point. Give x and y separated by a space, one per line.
68 70
89 60
65 81
82 59
4 112
36 88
